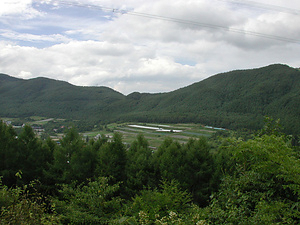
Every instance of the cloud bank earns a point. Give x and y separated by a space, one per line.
144 46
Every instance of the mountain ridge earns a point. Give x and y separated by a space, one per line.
235 99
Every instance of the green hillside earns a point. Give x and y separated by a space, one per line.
233 100
237 99
46 97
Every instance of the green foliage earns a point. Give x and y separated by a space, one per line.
154 205
24 206
237 99
35 155
259 180
263 189
200 177
52 98
9 156
24 153
76 160
271 127
62 168
170 160
191 165
93 203
83 163
112 159
139 166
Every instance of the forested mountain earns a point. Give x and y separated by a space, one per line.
237 99
233 100
46 97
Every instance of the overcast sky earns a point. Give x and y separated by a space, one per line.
145 46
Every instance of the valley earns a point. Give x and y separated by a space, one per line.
155 133
234 100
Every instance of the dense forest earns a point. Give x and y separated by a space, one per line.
226 179
233 100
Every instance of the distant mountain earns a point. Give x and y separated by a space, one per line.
233 100
237 99
46 97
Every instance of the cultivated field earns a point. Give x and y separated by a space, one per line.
154 133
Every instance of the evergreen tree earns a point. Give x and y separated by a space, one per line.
170 160
9 156
190 164
112 159
84 162
200 175
139 167
62 168
35 155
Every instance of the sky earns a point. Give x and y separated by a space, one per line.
145 46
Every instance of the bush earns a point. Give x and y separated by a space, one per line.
24 206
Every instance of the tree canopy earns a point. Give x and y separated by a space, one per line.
229 181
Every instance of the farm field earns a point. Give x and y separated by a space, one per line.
154 133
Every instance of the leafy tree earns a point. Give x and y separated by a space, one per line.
151 206
93 203
265 187
21 205
271 126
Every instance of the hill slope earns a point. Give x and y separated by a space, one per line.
46 97
230 99
233 100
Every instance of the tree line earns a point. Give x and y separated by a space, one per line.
226 180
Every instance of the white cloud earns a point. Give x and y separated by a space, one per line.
137 53
21 8
32 37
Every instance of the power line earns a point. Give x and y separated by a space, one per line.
181 21
264 6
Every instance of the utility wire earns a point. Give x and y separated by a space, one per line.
269 7
181 21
